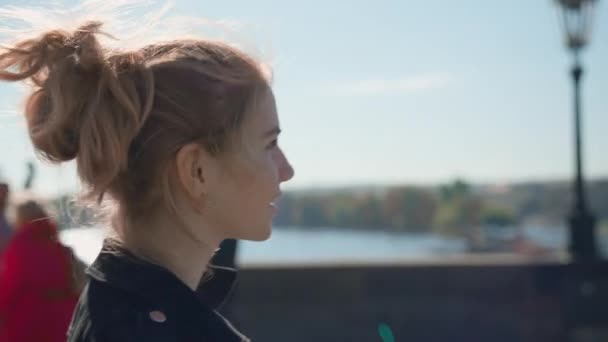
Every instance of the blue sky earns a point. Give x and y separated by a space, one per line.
377 92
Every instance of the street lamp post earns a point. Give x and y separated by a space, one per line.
576 20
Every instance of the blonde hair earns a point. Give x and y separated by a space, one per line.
122 115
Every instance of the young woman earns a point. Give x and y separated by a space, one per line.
182 137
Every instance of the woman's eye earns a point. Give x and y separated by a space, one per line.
273 144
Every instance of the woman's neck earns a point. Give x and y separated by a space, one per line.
163 242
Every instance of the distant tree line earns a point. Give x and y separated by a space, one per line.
452 208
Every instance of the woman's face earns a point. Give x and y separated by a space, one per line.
243 203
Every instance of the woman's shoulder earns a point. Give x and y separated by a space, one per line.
107 314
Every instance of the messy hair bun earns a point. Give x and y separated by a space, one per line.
57 64
85 104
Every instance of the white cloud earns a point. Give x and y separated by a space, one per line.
390 86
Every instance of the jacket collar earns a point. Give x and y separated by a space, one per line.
119 267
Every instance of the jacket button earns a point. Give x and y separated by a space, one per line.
158 316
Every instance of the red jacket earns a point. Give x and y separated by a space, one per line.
36 293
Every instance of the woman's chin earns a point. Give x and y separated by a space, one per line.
262 234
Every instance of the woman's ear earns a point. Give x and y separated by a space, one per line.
192 164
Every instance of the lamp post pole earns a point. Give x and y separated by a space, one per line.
577 15
581 221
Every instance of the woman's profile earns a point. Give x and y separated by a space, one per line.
181 137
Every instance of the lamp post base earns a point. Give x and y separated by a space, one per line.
582 240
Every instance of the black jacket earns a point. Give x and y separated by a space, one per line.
128 299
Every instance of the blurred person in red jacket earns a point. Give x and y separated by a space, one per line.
37 292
